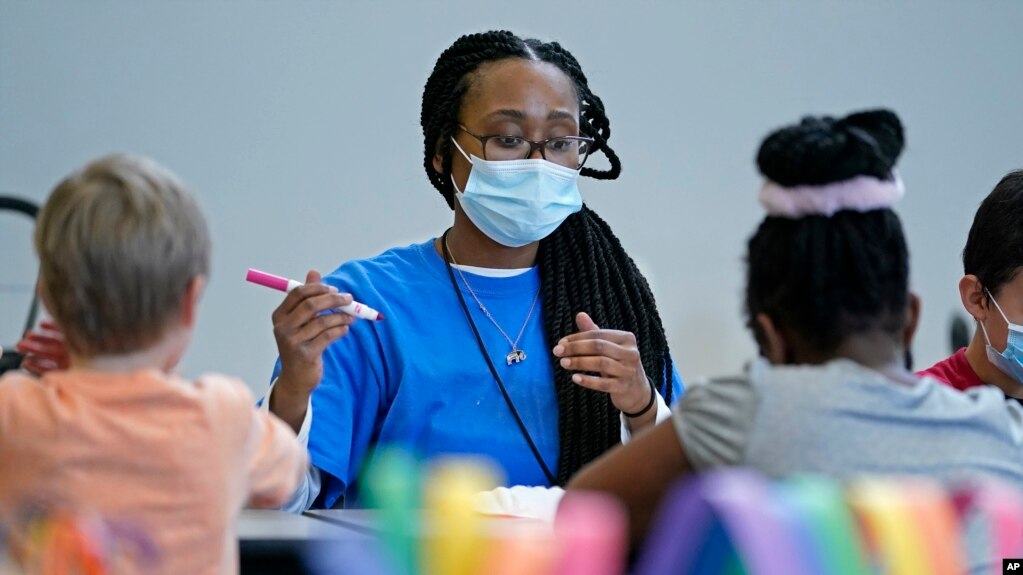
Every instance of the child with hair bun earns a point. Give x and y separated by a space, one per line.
828 302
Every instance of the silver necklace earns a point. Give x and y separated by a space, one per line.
516 355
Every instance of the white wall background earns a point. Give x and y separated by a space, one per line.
296 124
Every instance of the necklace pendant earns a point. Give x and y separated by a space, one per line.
516 356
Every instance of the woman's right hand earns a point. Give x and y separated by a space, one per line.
303 331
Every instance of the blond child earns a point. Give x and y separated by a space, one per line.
124 254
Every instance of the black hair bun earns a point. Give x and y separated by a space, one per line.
822 149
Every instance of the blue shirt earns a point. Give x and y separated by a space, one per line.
418 380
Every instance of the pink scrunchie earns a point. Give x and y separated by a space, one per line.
860 194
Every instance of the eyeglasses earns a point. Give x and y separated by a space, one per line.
568 151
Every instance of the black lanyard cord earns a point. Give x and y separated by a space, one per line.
493 370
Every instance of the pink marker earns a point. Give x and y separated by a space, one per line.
284 284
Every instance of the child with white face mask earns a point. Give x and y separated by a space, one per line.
992 293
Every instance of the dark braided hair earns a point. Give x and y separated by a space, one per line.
823 278
582 264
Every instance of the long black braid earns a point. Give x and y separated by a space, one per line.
821 278
583 266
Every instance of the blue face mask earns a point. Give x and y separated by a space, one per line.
518 202
1010 361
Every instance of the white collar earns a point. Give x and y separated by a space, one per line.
492 272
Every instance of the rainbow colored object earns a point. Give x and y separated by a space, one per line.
737 521
726 522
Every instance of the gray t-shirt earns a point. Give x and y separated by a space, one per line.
844 420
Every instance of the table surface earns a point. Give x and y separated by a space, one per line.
273 525
319 524
364 521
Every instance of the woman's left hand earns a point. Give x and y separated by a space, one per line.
614 356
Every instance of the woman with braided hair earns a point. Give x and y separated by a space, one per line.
828 302
524 332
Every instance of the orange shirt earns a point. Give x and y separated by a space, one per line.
177 459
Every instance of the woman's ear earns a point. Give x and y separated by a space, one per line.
438 159
974 297
772 345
